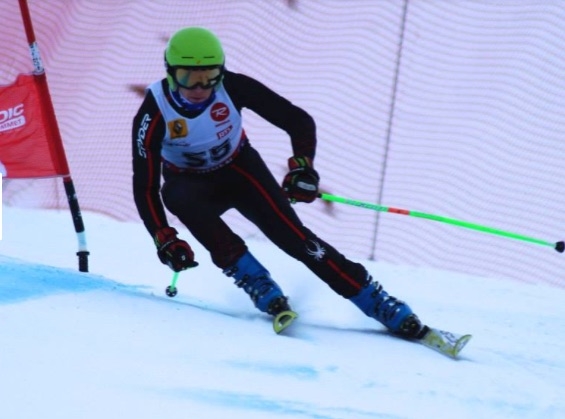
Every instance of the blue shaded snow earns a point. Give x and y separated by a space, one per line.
270 406
20 281
303 372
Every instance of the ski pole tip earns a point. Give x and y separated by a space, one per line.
560 246
171 291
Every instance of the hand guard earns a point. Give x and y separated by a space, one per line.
301 182
172 251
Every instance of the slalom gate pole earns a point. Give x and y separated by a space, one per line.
558 246
56 141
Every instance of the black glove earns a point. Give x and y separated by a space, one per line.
172 251
301 183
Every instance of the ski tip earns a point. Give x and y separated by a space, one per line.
447 343
283 320
458 346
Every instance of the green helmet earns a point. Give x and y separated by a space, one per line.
193 47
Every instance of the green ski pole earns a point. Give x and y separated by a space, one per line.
171 290
558 246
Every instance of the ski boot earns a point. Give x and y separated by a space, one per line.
393 313
265 293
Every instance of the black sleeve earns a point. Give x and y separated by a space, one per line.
147 134
249 93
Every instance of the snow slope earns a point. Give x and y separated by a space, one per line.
109 344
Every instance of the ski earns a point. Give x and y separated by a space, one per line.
283 320
446 343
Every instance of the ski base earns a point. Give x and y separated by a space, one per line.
446 343
283 320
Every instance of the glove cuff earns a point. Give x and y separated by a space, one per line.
300 162
164 236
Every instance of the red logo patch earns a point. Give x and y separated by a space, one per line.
219 112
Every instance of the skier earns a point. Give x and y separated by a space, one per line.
189 129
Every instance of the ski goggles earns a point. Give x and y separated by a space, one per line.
193 77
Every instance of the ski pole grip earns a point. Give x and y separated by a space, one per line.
560 246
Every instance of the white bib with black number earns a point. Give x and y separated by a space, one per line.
204 143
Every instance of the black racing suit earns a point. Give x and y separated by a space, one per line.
244 184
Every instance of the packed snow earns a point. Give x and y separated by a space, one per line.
110 344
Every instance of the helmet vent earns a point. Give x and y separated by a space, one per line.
193 57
